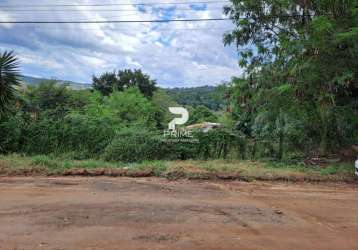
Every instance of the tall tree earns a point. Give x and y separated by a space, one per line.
106 83
109 82
9 79
300 60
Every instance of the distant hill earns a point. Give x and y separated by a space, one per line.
34 81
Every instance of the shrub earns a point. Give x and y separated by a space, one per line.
11 128
132 145
220 143
42 135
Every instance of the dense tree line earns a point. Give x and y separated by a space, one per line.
300 90
110 82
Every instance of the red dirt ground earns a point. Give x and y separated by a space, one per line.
151 213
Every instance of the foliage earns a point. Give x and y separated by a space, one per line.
297 98
131 108
201 114
109 82
55 119
138 144
292 90
14 164
132 145
11 129
48 96
93 128
42 135
9 79
208 96
162 101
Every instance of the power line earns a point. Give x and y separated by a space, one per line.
107 17
115 21
116 29
146 21
112 4
100 16
103 10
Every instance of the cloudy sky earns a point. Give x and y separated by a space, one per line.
176 54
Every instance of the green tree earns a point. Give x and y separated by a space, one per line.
300 61
106 83
162 101
109 82
201 114
92 128
48 96
9 79
131 108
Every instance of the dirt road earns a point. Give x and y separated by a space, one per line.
108 213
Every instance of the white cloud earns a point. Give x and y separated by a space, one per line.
30 59
176 54
4 17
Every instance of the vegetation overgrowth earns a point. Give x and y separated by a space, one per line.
296 99
246 170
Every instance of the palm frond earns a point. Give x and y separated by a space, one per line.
9 78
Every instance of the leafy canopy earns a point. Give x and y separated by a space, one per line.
301 69
110 82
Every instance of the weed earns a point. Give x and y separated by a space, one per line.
231 169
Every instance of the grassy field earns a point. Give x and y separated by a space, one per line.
17 165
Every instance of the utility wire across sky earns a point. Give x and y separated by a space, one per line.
106 10
145 21
129 29
110 4
116 21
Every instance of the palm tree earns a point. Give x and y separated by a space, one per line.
9 78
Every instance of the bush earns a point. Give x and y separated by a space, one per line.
133 145
43 135
11 128
86 135
220 144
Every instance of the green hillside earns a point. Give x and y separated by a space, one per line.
35 81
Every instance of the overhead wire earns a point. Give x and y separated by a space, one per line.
154 5
117 21
145 21
121 29
112 4
107 10
121 12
